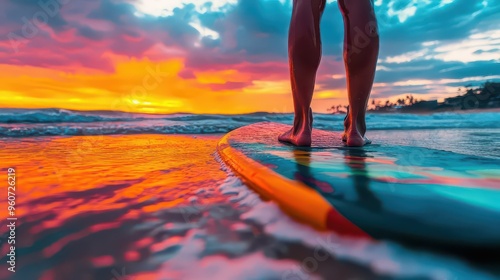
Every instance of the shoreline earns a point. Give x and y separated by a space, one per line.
423 112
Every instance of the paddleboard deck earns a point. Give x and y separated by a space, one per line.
409 194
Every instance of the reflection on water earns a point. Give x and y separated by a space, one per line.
304 174
147 206
356 159
399 184
87 203
380 189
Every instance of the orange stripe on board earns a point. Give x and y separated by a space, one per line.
295 198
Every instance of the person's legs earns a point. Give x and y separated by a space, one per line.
361 47
304 52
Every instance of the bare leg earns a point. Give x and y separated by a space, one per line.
361 47
304 52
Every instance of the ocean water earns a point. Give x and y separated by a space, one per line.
475 133
53 122
108 195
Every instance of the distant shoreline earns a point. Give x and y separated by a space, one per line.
426 112
485 98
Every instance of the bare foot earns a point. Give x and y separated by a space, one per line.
300 136
354 137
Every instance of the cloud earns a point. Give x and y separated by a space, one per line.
431 41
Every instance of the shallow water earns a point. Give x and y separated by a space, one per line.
58 122
164 207
483 142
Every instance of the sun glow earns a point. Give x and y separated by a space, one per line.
228 91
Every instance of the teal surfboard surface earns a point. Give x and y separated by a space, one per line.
411 194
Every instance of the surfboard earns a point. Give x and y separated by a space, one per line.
410 194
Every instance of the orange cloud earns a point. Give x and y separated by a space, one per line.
141 85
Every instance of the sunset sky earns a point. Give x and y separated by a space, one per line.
201 56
